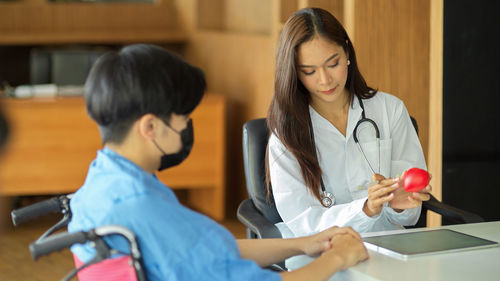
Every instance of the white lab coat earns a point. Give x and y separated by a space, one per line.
346 173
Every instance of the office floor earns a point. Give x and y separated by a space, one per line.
16 263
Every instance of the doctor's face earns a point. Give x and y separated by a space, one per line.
322 68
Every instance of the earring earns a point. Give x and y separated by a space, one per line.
348 62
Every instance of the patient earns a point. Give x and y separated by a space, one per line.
141 98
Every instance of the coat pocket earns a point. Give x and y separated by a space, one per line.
360 171
376 154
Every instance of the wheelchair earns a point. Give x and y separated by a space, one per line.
126 267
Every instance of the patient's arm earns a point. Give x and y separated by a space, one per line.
339 248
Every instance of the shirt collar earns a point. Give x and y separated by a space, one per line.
112 160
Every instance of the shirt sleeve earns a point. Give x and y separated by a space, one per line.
300 210
202 261
238 269
406 217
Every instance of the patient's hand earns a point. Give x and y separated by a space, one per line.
316 244
347 250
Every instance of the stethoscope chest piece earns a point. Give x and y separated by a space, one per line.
327 199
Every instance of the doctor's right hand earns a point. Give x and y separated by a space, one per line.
379 193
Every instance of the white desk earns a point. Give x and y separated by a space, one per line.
467 265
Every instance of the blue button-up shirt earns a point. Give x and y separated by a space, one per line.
176 242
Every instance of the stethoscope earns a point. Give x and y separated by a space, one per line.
327 198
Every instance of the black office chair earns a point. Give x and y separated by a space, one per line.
259 214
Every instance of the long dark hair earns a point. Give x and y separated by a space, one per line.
288 116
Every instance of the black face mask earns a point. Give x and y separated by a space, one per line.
174 159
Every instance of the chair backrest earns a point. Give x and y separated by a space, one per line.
115 269
415 125
255 137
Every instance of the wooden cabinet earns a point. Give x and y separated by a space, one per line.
53 142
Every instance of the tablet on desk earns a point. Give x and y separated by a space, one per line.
413 244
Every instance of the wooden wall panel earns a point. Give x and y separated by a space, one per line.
435 159
249 16
239 66
286 9
392 45
211 14
336 7
235 16
392 40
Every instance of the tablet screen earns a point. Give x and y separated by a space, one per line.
424 242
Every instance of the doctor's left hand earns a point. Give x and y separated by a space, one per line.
407 200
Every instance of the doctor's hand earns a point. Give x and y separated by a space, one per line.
316 244
407 200
379 193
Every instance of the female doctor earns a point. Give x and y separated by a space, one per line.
338 146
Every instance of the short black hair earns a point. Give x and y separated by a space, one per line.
139 79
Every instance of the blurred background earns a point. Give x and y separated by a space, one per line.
439 56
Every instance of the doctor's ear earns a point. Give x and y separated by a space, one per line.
347 56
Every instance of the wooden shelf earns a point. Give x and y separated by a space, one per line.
120 37
41 22
287 8
240 16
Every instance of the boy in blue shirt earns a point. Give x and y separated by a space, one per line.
141 98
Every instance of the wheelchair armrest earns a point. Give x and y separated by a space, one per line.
251 217
451 213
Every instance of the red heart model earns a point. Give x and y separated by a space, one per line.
415 179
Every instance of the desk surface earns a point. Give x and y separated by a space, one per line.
467 265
